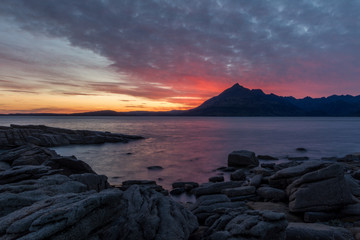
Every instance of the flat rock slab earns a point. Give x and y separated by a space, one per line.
40 135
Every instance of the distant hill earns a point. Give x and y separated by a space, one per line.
241 101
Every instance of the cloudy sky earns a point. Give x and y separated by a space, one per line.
88 55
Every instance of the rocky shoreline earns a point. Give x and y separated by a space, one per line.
47 196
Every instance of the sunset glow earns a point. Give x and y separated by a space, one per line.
66 56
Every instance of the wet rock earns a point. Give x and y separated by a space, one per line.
356 175
301 149
263 171
271 194
266 157
312 191
310 231
215 188
216 179
148 184
238 175
242 158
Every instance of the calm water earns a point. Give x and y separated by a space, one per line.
190 148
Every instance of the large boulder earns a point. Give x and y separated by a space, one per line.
310 231
284 177
271 194
215 188
242 158
322 190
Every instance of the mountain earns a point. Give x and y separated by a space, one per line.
240 101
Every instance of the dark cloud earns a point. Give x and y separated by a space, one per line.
174 42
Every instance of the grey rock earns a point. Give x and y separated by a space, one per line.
155 168
354 184
263 171
356 175
177 191
21 173
266 157
216 179
92 181
268 165
279 207
242 158
311 192
256 180
271 194
69 165
238 175
351 210
248 224
182 184
239 191
298 158
284 177
313 217
4 166
215 188
310 231
17 135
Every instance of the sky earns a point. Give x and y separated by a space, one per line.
157 55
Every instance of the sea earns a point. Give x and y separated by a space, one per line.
193 148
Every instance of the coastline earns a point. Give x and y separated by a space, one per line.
45 195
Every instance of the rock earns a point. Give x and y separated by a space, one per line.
14 196
313 217
216 179
284 177
242 158
239 191
298 158
356 175
145 184
155 168
248 224
182 184
238 175
351 210
92 181
21 173
353 184
266 157
263 171
311 192
271 194
256 180
215 188
310 231
4 166
268 165
275 207
208 207
44 136
69 165
27 155
301 149
177 191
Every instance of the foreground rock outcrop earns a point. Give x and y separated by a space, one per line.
18 135
55 197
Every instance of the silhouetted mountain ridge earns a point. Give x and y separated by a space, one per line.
241 101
